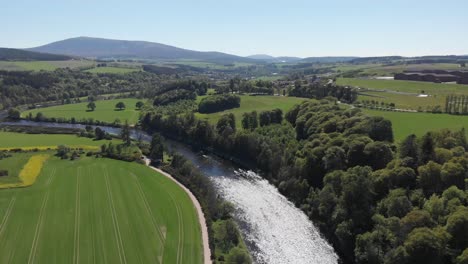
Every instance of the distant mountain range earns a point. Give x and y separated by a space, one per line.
124 49
24 55
268 58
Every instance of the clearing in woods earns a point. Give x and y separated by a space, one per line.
98 211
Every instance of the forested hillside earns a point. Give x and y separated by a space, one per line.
24 55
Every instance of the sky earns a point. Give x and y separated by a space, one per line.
244 27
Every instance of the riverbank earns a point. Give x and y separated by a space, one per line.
201 216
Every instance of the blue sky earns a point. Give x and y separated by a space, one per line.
244 27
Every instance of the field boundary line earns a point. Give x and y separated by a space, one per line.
150 212
7 215
120 247
37 232
76 237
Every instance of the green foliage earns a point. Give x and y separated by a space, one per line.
217 103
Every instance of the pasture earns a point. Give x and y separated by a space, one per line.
405 93
253 103
405 124
98 211
114 70
41 141
43 65
105 111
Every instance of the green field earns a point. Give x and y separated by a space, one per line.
105 111
43 65
375 69
253 103
404 94
405 124
20 140
98 211
14 165
115 70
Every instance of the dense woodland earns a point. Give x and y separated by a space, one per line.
217 103
377 202
67 86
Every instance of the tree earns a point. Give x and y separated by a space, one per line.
424 245
120 105
14 113
125 133
139 104
99 133
157 149
430 178
457 226
427 148
91 106
238 256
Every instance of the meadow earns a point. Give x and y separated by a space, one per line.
21 140
404 94
253 103
405 124
43 65
114 70
105 111
98 211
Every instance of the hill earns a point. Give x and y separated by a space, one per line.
327 59
268 58
23 55
124 49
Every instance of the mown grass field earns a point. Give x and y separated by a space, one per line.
105 111
43 65
98 211
21 140
405 124
115 70
254 103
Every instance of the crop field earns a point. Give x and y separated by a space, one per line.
43 65
105 111
254 103
374 69
106 211
115 70
21 140
405 124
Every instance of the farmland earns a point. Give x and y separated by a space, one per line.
98 211
405 124
20 140
115 70
254 103
43 65
404 94
105 111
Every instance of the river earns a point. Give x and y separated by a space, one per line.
275 231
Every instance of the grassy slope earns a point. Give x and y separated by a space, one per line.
98 211
105 111
18 140
116 70
254 103
405 124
